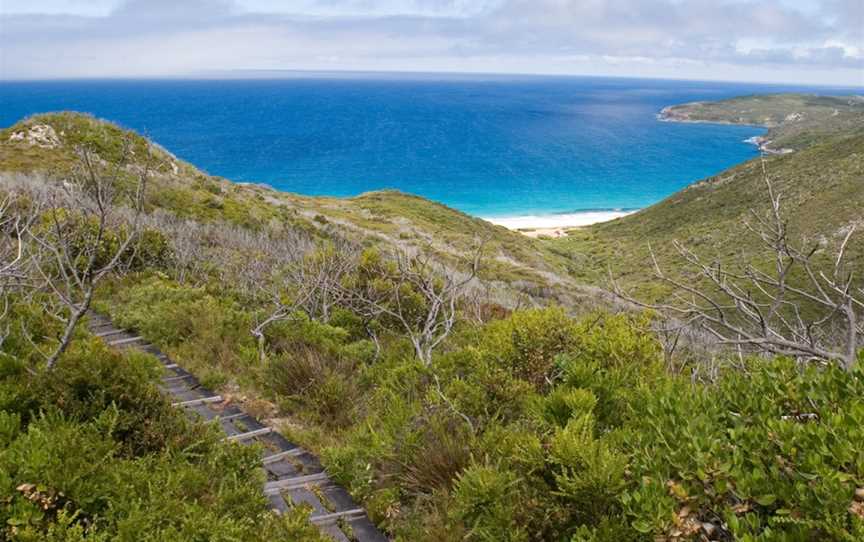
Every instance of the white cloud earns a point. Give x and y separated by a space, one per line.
742 39
58 7
367 8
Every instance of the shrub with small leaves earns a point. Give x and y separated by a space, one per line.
486 500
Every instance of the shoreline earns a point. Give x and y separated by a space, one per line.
558 225
555 225
761 142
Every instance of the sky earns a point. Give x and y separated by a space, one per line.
783 41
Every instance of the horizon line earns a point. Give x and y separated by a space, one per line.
289 73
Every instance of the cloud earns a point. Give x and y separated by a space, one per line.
366 8
150 11
738 39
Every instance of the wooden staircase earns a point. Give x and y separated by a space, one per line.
294 476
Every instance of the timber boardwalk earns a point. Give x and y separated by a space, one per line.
294 476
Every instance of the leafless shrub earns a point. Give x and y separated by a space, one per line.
87 230
14 222
239 257
420 295
188 243
309 281
15 219
486 301
801 307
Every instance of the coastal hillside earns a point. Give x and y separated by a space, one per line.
189 353
44 145
794 121
822 193
462 382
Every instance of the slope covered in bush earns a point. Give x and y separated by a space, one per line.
821 191
542 427
92 451
524 422
387 218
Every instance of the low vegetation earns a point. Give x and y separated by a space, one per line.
92 451
421 354
820 190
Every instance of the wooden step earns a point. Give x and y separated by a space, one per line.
249 434
331 518
125 341
289 483
363 529
170 379
110 332
231 417
279 456
93 324
201 401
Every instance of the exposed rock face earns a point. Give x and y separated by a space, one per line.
41 135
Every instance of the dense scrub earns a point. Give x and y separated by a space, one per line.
539 426
92 451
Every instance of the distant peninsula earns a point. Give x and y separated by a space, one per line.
794 121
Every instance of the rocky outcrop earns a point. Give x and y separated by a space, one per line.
40 135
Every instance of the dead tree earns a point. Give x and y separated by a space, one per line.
417 294
87 231
187 239
805 306
14 222
307 282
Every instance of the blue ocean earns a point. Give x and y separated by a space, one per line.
491 146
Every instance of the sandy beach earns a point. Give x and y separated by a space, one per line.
555 225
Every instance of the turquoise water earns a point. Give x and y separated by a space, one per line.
492 147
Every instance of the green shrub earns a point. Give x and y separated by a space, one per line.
487 501
480 387
319 381
623 340
310 365
152 250
773 452
62 475
199 329
565 403
90 379
527 343
300 332
589 471
91 451
293 373
617 358
432 455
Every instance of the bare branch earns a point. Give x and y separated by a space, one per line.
773 311
87 231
